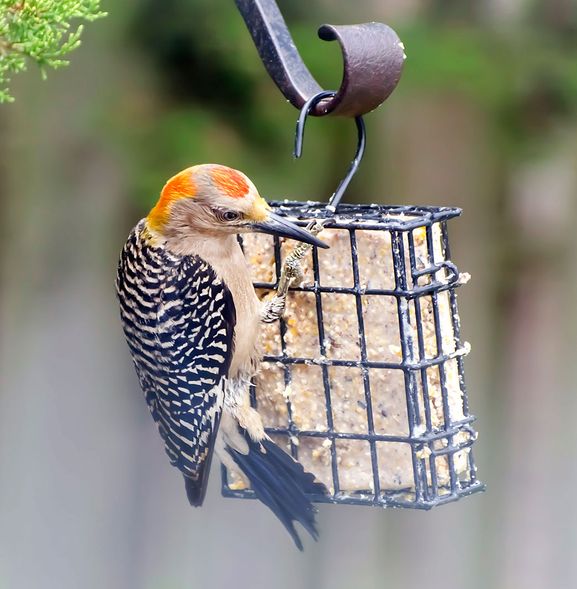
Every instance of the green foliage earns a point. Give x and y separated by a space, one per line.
213 100
525 79
39 31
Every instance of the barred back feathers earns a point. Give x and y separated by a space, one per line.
178 319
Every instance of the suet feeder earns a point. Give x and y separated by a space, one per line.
362 381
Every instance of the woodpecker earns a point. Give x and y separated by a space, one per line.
191 319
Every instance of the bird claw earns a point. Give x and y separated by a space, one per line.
292 272
274 308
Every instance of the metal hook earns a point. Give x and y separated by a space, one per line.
361 143
372 52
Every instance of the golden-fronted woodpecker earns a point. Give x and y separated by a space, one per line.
191 319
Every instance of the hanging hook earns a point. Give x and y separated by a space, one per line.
372 52
361 143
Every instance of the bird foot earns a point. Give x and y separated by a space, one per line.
273 309
291 274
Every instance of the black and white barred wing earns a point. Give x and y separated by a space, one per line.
195 333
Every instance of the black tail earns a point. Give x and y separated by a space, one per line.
280 482
194 491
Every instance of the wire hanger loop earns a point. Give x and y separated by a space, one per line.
308 106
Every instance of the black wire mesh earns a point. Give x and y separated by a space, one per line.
441 457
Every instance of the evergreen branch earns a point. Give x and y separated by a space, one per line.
39 31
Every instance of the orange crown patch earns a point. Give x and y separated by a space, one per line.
177 187
231 182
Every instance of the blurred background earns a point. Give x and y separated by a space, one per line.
485 118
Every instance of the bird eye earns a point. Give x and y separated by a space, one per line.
230 216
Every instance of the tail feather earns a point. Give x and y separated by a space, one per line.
281 483
261 485
195 492
294 469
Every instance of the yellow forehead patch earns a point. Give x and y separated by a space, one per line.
260 209
179 186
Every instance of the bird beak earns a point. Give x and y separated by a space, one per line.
277 225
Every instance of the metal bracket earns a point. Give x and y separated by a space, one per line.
372 52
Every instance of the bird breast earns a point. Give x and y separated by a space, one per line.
246 331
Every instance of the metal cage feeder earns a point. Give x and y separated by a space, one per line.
395 428
362 380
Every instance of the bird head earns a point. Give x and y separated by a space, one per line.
214 200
